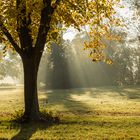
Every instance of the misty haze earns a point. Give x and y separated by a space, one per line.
70 70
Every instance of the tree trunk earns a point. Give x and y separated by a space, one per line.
30 88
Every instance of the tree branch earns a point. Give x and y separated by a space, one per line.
10 38
46 15
44 27
23 23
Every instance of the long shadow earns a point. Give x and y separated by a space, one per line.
63 97
27 130
130 93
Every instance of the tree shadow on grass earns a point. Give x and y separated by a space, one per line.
69 101
130 93
27 130
76 101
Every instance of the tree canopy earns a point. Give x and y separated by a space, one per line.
28 24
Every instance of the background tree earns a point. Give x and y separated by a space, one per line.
27 26
10 66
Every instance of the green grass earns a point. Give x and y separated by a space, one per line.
86 114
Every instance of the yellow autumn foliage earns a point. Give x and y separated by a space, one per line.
97 14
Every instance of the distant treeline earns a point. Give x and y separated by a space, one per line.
70 67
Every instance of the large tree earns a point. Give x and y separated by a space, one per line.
27 26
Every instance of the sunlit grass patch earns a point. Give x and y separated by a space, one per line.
85 114
79 128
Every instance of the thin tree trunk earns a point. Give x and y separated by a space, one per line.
30 88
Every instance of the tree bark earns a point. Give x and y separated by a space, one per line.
30 88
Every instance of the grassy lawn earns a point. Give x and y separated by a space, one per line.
86 114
